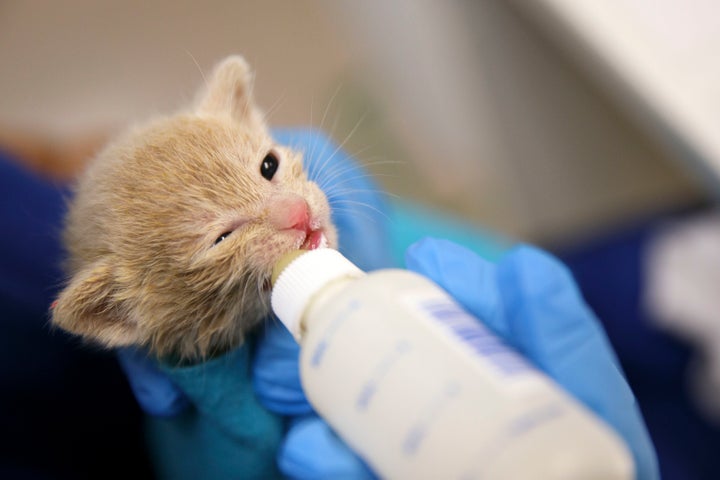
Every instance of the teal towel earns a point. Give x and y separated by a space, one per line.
226 434
409 222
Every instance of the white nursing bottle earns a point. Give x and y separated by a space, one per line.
420 389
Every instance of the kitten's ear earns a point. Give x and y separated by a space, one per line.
89 307
229 91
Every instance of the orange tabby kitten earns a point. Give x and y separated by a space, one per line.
175 227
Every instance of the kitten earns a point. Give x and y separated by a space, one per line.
174 228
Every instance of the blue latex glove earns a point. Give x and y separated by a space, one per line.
529 299
154 391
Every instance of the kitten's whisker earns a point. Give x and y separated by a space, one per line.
338 194
202 74
261 295
356 212
340 171
315 171
331 136
250 95
275 106
351 181
243 295
356 181
347 137
312 104
348 202
356 154
334 172
312 147
356 173
329 105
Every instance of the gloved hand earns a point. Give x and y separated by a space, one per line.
529 299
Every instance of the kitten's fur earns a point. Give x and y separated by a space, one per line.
141 230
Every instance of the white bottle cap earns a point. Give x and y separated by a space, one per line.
302 278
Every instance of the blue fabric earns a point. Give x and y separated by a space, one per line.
609 269
65 409
31 210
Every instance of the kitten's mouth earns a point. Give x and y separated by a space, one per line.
314 239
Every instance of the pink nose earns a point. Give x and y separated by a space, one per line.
290 213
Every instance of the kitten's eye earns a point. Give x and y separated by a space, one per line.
269 166
222 237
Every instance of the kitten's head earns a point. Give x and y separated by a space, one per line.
175 227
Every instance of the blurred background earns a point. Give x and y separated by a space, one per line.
590 128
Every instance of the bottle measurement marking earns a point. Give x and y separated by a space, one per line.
523 424
379 373
321 347
485 344
417 433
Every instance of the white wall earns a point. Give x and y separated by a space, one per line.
488 118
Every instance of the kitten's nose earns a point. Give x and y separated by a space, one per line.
290 212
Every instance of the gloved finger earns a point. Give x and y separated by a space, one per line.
276 378
153 390
313 451
356 201
552 325
466 276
